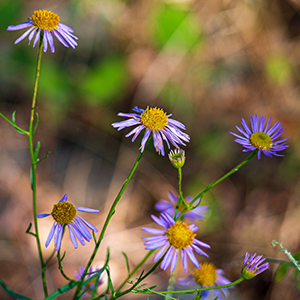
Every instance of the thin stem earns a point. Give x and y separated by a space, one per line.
108 218
198 290
33 165
209 187
172 281
134 270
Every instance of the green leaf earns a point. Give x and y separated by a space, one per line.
13 293
296 255
40 160
94 237
280 272
28 230
62 290
298 285
36 152
36 123
13 118
62 258
126 261
296 274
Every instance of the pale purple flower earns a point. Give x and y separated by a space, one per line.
65 215
177 238
155 121
208 275
261 137
197 213
46 23
91 284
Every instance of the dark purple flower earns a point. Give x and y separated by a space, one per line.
253 266
263 139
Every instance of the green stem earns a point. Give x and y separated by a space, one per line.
108 218
33 165
200 289
209 187
134 270
172 281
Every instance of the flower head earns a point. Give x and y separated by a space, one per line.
263 139
154 120
176 237
253 266
208 275
91 284
165 206
65 214
44 23
177 158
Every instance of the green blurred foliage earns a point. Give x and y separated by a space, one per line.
106 82
54 85
174 26
278 68
209 144
10 13
174 96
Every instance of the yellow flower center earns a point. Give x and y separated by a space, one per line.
180 236
207 275
261 140
154 118
44 19
63 213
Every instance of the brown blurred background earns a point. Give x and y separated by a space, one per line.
209 63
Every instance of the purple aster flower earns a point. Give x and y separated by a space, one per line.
154 120
168 207
44 23
91 284
65 214
253 266
208 275
259 138
177 237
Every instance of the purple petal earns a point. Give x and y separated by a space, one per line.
168 258
86 209
23 36
153 230
72 237
18 27
36 37
64 198
160 253
89 225
42 215
50 236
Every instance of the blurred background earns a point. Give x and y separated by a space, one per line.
209 63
